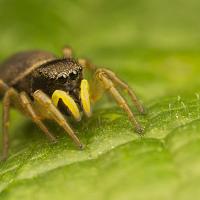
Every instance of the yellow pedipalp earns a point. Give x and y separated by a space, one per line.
68 101
85 97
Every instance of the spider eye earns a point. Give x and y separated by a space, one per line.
73 75
62 79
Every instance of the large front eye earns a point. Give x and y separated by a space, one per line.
73 75
62 79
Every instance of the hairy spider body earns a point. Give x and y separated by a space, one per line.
42 86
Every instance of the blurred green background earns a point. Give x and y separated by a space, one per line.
154 46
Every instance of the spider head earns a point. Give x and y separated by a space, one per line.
62 80
62 74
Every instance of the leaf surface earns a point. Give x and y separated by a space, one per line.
153 46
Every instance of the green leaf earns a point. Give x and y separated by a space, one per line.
154 46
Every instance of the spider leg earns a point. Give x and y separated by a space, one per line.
28 108
21 102
124 86
9 96
88 65
67 52
85 63
45 102
108 85
3 87
9 93
5 122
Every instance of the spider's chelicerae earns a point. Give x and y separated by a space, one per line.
43 86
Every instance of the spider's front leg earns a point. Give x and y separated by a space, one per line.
109 86
109 81
118 82
24 104
45 104
28 107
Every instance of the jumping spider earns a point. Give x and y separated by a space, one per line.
43 86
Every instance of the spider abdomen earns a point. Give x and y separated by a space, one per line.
21 64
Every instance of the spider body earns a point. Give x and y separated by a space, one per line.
33 70
43 86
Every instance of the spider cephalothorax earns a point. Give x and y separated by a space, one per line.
43 86
61 74
62 79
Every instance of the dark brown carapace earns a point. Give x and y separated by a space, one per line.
43 86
